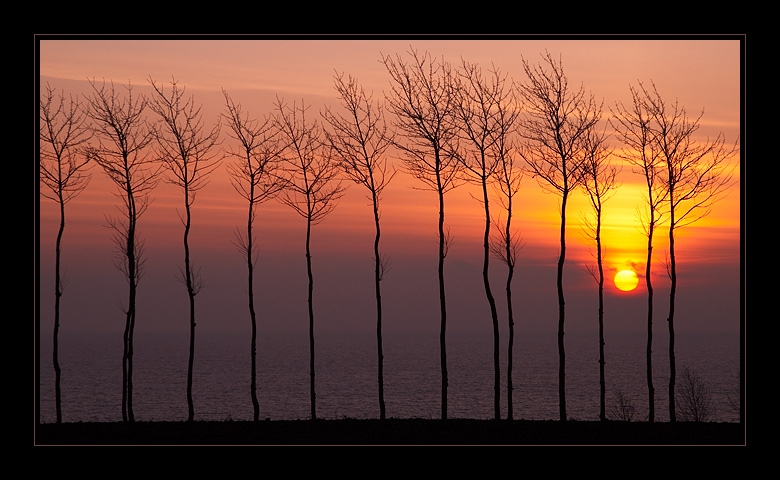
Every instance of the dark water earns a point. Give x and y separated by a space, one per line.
346 381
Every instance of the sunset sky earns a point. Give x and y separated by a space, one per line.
699 73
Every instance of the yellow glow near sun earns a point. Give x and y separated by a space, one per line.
626 280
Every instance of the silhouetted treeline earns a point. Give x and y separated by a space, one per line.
447 124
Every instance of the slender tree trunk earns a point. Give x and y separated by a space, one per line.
602 382
649 352
125 360
561 315
252 315
510 355
510 274
127 397
673 291
130 353
492 302
191 294
442 300
57 295
377 280
311 322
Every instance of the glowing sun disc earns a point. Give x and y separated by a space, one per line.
626 280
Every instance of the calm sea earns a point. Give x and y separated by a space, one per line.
346 383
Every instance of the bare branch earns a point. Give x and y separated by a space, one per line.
448 240
122 135
122 238
314 188
257 173
633 125
384 266
556 124
360 141
64 133
693 174
505 246
485 117
422 99
599 178
182 143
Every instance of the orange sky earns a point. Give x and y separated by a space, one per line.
700 74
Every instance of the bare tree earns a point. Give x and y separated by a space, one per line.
123 137
505 243
694 402
633 124
312 192
256 175
558 120
422 98
360 141
185 148
623 407
480 113
62 169
697 174
600 181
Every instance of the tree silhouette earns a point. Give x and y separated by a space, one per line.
360 142
422 98
312 192
255 175
632 124
480 102
694 402
505 244
184 147
62 169
696 175
622 407
123 137
600 181
555 128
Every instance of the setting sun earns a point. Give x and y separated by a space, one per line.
626 280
